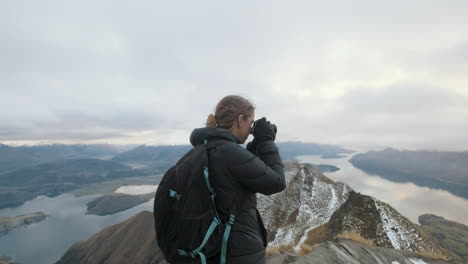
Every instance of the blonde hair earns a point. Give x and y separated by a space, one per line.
227 111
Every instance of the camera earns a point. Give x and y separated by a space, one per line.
273 126
253 126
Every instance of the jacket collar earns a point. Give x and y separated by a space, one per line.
200 134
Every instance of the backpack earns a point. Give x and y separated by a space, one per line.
187 223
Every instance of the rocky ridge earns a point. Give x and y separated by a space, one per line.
380 225
314 209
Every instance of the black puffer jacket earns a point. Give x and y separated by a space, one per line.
237 175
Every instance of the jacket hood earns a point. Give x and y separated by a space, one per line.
200 134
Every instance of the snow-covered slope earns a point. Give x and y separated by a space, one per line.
380 225
308 201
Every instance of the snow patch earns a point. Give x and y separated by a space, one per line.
137 189
399 237
417 261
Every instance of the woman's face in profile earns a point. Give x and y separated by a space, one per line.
243 127
247 127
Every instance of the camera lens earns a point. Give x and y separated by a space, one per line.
253 127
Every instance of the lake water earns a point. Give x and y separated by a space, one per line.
47 241
409 199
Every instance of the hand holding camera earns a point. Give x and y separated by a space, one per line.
263 130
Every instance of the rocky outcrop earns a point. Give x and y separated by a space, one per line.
9 223
343 251
380 225
116 202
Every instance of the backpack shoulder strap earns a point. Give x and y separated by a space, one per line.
214 143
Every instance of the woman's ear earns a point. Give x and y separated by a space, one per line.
241 119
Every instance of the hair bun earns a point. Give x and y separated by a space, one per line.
211 121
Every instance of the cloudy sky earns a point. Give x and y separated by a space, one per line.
352 73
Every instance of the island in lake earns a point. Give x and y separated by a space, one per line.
332 156
323 167
112 203
6 260
9 223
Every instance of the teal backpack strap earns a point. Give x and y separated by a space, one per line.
227 231
216 221
197 251
208 185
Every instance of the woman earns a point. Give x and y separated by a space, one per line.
238 174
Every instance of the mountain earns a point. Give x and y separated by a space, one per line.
314 209
163 157
439 170
156 158
47 153
290 149
314 220
63 171
132 241
12 159
375 223
308 201
450 234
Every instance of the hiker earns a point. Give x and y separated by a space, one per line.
237 174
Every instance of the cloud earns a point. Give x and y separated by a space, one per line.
346 73
402 99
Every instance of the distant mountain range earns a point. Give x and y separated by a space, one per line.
289 150
168 155
159 158
315 220
438 170
29 171
12 158
156 158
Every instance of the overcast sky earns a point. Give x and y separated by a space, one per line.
352 73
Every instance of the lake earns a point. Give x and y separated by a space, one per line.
409 199
46 242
